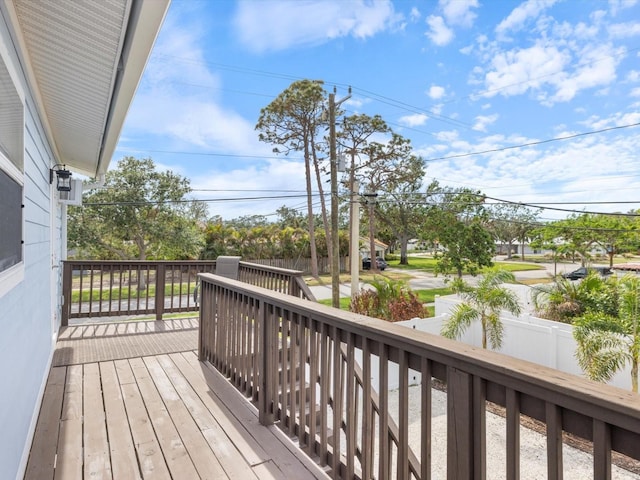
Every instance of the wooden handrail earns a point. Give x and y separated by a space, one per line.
102 288
263 341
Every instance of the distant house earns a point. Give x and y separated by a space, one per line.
68 73
365 251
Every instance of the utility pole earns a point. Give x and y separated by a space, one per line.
335 240
371 202
354 254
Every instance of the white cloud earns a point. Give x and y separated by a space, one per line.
624 30
633 76
483 121
598 68
617 5
438 32
519 16
283 174
458 12
635 92
436 92
414 120
513 72
448 136
415 14
168 108
279 24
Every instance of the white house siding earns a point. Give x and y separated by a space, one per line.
26 318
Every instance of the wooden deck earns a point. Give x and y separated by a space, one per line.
110 413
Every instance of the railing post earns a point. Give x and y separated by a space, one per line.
460 451
267 365
67 284
160 283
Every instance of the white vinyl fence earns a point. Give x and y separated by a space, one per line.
526 337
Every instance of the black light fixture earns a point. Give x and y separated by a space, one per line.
63 182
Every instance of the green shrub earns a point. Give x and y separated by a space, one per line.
392 300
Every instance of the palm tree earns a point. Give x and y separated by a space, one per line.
483 302
564 299
606 343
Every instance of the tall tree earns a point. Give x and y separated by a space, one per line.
512 222
456 220
389 166
402 212
353 137
291 123
140 213
483 302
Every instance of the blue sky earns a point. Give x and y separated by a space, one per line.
455 76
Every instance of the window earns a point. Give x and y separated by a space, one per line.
11 182
11 221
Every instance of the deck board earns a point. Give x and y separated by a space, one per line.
165 415
69 462
43 451
97 460
175 451
121 447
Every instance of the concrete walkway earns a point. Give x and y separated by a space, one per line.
424 280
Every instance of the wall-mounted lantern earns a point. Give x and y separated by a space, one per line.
63 178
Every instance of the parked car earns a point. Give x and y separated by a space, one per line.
380 263
583 271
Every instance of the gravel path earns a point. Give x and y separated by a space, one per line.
578 465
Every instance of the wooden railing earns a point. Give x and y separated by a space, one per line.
114 288
309 368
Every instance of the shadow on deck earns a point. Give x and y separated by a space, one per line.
133 401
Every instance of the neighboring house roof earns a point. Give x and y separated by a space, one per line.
381 245
85 60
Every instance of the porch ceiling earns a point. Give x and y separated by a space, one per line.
84 61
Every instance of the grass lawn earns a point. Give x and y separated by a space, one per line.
429 264
425 296
365 277
344 302
429 295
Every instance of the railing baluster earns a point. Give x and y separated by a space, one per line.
325 379
350 418
303 358
601 450
367 412
337 401
268 364
479 428
403 424
459 425
425 420
513 434
384 462
553 419
313 381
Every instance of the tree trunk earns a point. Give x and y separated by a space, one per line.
312 232
404 259
634 373
323 204
484 332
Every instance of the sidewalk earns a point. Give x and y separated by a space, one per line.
424 280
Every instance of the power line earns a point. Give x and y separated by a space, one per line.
530 144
